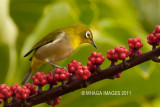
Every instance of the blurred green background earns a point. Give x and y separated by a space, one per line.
24 22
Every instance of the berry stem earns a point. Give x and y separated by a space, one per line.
112 63
153 46
155 59
135 53
85 84
73 77
125 64
13 98
6 103
98 69
25 103
40 89
64 85
50 85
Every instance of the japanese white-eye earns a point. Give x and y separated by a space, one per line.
58 45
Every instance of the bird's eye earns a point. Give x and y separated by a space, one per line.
88 34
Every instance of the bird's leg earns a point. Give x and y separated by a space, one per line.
55 66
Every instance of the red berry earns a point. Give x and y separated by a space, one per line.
0 101
131 45
74 61
130 40
93 54
158 29
57 70
109 56
122 56
98 61
112 51
2 96
89 58
87 73
84 77
40 77
138 39
72 69
36 82
85 67
4 91
138 45
43 82
38 73
33 78
134 40
93 60
99 55
118 75
62 76
70 64
78 77
24 96
80 72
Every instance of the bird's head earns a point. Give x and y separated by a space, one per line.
85 34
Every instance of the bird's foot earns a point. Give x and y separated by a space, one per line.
55 66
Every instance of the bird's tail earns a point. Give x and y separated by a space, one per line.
27 77
35 64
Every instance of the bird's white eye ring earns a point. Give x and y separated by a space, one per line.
88 34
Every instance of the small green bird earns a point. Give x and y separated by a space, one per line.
58 45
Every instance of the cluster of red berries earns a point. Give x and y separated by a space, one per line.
60 74
154 38
96 58
91 66
135 43
139 52
50 78
56 101
5 91
40 79
118 53
73 66
83 73
13 87
32 88
22 92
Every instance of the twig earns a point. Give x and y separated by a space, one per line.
100 75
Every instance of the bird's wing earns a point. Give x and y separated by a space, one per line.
47 39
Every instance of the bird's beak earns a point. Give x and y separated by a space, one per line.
92 42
